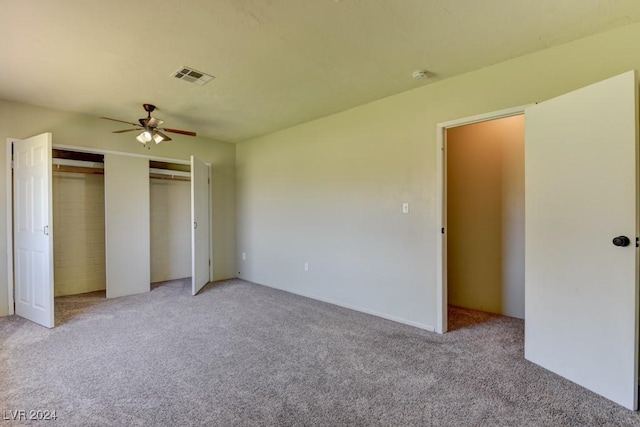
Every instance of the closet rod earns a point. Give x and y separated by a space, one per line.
77 163
169 172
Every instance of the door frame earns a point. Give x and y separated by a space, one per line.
9 207
441 203
9 194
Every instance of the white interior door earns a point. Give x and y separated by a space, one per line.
200 260
127 225
581 296
33 235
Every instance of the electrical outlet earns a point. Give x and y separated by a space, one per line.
244 256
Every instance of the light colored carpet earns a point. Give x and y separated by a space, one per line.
242 354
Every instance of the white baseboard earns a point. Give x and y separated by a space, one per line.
353 307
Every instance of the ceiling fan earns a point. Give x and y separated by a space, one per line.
150 126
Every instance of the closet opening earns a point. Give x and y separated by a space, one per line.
170 223
484 216
78 223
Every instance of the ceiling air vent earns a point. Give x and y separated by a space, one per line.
192 76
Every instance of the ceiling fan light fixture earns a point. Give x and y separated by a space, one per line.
144 137
157 138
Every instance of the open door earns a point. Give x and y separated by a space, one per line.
33 236
581 296
200 263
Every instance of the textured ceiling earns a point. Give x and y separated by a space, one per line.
277 62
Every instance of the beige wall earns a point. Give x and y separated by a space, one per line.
485 216
170 229
329 192
78 233
21 121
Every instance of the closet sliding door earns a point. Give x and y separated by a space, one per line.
127 225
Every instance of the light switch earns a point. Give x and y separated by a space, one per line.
405 208
244 256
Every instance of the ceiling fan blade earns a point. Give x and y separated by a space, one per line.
125 130
165 137
143 122
153 122
121 121
182 132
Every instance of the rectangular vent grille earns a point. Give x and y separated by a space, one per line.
192 76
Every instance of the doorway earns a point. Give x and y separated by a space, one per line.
481 207
485 216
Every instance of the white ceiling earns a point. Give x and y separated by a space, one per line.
277 62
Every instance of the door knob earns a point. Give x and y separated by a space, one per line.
621 241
